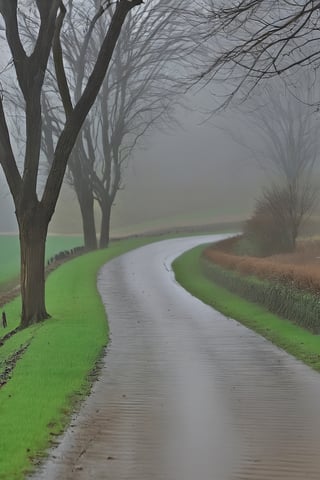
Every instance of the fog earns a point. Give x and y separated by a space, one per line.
192 174
197 174
189 175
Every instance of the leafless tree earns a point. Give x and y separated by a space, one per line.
30 62
252 40
283 126
287 147
139 91
277 217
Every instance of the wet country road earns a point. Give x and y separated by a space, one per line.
186 394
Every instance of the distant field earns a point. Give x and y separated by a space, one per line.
10 253
182 224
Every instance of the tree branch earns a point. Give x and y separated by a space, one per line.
8 10
58 64
75 121
7 159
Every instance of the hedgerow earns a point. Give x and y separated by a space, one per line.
302 277
283 299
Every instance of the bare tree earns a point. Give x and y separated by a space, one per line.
252 40
248 42
30 65
79 162
287 148
138 94
139 91
278 215
284 139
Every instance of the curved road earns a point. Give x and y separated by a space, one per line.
185 393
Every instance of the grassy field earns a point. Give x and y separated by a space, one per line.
10 253
295 340
54 371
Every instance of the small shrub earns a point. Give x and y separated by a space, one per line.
278 215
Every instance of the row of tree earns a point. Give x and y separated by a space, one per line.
88 87
138 93
61 52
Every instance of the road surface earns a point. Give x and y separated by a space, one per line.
185 393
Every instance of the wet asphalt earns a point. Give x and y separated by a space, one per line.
185 393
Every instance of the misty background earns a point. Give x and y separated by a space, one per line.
192 174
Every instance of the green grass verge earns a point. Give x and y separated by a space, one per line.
292 338
55 370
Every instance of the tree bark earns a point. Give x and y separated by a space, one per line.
105 226
33 228
86 203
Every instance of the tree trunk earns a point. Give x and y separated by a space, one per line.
86 203
105 226
33 232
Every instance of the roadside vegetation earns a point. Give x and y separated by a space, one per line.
45 369
286 284
299 269
304 345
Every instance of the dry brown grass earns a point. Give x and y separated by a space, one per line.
300 269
